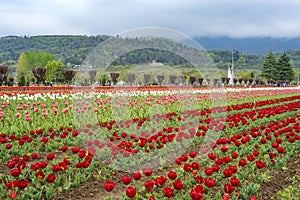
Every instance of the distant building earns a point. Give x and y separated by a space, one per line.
9 37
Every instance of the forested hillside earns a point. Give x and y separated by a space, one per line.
67 48
72 50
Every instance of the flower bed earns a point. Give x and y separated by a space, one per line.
226 151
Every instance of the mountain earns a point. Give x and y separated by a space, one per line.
255 45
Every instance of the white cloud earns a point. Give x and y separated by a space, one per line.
235 18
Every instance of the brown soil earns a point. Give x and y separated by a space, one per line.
279 179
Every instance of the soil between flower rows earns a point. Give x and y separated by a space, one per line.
279 180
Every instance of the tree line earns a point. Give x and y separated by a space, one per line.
40 66
279 69
72 50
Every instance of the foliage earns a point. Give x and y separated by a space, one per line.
92 74
67 48
269 66
69 75
292 192
45 153
22 81
39 74
72 50
279 70
3 74
114 76
29 61
54 71
284 69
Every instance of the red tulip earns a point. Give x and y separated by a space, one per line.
131 192
149 185
280 150
40 175
228 188
260 164
126 180
75 149
242 162
184 158
209 171
233 169
8 146
34 156
22 184
147 171
51 156
212 156
234 181
9 185
15 172
224 149
109 186
51 178
137 176
159 181
210 182
195 195
234 155
172 175
215 168
11 164
227 172
187 167
13 194
178 161
178 185
250 157
263 140
193 154
168 192
64 148
195 165
43 164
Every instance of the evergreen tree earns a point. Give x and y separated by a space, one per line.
284 69
268 70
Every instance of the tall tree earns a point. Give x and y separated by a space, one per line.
92 74
173 79
284 69
54 71
69 75
29 61
268 70
42 58
147 79
114 77
58 73
131 77
3 74
160 79
22 69
39 74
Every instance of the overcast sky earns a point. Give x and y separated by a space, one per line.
233 18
